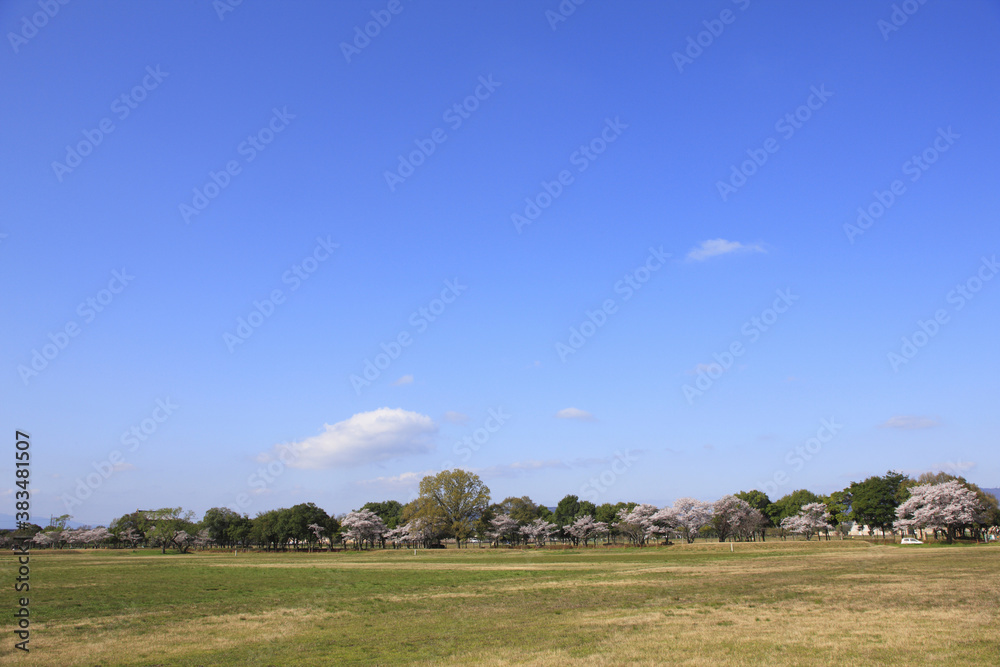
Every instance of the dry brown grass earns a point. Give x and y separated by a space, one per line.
782 603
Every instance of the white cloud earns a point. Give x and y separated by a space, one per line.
366 437
406 379
715 247
909 422
575 413
456 417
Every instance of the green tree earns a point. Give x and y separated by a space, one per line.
790 505
760 502
874 501
264 529
566 510
607 513
523 510
454 500
390 511
219 521
838 504
165 527
298 518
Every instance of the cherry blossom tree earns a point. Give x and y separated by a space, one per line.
503 528
637 524
363 527
811 519
203 538
42 539
131 536
585 529
728 514
317 531
749 524
538 530
398 536
949 507
689 516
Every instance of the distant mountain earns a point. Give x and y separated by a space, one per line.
995 492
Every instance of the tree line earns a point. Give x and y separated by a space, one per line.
456 505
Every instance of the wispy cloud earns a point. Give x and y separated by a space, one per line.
456 417
954 467
406 379
406 479
909 422
366 437
575 413
716 247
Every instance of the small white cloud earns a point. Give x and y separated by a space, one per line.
909 422
406 379
715 247
124 465
456 417
575 413
366 437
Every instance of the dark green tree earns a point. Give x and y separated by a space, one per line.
874 501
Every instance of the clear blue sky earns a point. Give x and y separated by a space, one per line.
641 137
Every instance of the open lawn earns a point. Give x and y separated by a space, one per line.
775 602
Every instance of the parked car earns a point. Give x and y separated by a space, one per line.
910 540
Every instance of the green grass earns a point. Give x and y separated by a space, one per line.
786 602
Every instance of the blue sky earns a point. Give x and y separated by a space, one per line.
696 169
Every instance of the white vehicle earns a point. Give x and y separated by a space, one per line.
910 540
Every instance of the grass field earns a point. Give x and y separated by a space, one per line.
775 602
